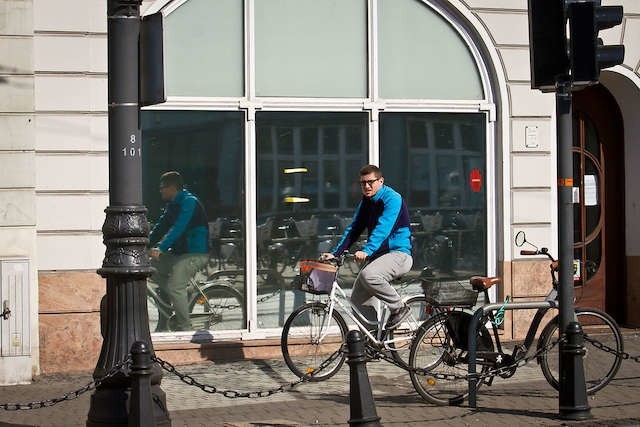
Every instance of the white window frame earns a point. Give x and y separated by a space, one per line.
373 104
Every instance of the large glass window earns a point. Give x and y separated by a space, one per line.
204 53
282 55
307 192
207 149
311 48
437 162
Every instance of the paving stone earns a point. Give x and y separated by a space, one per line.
523 400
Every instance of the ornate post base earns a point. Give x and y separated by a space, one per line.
124 317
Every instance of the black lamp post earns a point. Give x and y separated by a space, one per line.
573 402
124 317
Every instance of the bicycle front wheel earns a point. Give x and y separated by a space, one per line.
153 313
600 365
434 356
310 338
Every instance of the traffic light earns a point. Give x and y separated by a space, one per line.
547 43
587 53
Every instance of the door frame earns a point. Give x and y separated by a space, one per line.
599 105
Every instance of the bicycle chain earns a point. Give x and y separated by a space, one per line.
67 396
478 376
233 394
235 306
624 355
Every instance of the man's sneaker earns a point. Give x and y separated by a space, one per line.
397 317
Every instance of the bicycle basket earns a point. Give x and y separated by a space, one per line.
449 293
316 277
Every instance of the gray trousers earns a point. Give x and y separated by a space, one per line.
172 278
373 282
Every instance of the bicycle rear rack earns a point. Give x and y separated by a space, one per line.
473 381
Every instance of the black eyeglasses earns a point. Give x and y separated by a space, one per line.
368 182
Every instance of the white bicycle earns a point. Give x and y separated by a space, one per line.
317 330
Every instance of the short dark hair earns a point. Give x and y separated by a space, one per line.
367 169
172 178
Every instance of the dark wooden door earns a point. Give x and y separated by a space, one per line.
598 159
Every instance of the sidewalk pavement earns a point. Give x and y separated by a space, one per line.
523 400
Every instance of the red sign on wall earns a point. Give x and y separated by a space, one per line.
475 179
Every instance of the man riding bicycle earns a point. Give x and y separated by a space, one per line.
179 247
384 214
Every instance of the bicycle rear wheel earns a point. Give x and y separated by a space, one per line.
434 354
600 366
310 337
217 306
400 338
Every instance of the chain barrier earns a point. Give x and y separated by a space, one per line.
233 394
187 379
67 396
624 355
375 353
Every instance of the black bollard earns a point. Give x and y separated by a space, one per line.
363 407
141 400
573 391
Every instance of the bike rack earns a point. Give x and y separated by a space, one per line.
472 342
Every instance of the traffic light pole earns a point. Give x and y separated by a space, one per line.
123 313
573 404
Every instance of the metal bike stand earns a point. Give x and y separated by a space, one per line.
473 381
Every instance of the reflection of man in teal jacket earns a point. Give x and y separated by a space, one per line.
383 213
180 246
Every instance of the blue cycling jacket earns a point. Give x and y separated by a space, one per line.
386 218
182 227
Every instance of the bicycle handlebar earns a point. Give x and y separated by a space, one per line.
339 260
542 251
528 252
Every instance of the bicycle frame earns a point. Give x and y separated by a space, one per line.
193 288
542 307
533 326
161 304
337 296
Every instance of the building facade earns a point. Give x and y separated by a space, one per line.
272 106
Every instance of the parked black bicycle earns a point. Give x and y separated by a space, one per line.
439 352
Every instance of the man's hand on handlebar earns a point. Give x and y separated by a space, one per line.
326 256
361 256
155 253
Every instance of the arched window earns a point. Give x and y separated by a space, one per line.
273 106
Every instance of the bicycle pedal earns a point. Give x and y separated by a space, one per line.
372 357
371 353
488 381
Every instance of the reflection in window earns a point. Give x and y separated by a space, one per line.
307 192
430 159
207 149
443 135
